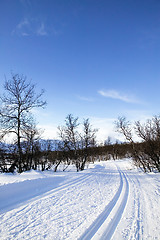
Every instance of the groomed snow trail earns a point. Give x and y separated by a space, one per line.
104 226
141 217
110 200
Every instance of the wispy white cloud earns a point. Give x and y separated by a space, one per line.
22 28
23 23
117 95
29 27
106 128
41 31
49 131
87 99
24 34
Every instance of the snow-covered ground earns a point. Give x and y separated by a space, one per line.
109 200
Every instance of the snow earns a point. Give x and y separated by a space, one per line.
109 200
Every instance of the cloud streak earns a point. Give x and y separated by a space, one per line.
29 27
116 95
41 30
23 23
87 99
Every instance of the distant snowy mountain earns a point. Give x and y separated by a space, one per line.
49 144
45 144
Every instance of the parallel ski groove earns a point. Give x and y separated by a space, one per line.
91 232
117 217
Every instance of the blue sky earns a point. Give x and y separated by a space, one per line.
96 59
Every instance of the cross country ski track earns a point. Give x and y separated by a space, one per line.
105 224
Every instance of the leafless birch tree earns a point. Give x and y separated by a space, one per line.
15 111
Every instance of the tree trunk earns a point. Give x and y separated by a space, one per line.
19 146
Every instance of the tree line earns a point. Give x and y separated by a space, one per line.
77 141
145 153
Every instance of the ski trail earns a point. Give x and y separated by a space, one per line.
117 211
104 226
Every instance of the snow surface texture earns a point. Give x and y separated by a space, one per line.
109 200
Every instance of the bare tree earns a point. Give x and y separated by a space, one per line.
88 139
146 154
70 138
123 126
149 132
77 145
16 105
31 137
